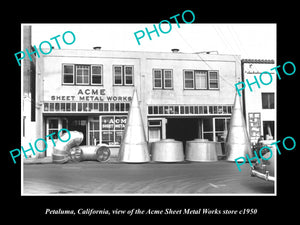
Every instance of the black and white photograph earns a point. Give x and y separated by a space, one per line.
141 111
138 109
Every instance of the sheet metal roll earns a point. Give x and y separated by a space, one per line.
167 150
201 150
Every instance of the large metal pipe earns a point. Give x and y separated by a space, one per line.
61 150
99 153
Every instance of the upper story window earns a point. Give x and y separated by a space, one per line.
82 74
201 79
267 100
162 79
123 75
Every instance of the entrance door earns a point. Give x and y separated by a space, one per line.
53 125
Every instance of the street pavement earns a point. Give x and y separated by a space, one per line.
148 178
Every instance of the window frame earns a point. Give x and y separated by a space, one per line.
82 75
184 79
208 80
162 79
123 75
268 94
63 74
206 83
74 75
101 74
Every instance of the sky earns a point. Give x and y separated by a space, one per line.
255 41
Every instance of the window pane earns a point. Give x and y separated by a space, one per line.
53 124
118 80
96 79
129 79
68 79
68 69
157 83
213 79
157 78
208 124
220 124
168 78
213 75
267 100
168 74
96 70
188 75
118 74
157 74
168 83
128 70
188 79
189 83
201 79
213 84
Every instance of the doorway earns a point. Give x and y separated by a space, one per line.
182 129
78 123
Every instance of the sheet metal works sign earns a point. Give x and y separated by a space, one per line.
91 94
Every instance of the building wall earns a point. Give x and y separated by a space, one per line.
49 83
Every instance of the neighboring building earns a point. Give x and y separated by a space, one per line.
260 104
182 95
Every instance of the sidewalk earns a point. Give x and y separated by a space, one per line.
48 159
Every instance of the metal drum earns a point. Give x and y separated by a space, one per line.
201 150
167 150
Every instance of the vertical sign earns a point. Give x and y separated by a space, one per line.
254 126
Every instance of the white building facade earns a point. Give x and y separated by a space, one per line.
182 95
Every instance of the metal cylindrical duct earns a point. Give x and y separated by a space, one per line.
201 150
167 150
94 153
61 151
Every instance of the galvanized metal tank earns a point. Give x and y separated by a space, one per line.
167 150
201 150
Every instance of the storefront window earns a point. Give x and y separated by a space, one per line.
112 129
94 131
221 129
208 129
53 127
